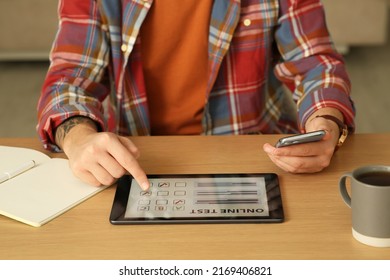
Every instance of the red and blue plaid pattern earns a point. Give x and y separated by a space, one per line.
255 48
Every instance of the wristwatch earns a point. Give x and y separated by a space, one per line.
342 127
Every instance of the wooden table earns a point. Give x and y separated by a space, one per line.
317 226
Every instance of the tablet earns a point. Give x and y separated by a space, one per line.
206 198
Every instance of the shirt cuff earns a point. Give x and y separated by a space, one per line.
52 119
327 98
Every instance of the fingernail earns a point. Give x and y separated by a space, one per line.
145 186
267 148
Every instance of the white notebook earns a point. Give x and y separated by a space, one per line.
43 192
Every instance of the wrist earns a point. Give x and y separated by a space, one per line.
73 129
342 128
334 119
325 111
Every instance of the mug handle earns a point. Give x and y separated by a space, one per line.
343 189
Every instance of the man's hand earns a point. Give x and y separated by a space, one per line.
98 158
308 157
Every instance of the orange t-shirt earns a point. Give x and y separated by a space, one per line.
174 48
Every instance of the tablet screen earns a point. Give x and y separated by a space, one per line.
208 198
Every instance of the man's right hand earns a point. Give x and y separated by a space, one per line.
98 158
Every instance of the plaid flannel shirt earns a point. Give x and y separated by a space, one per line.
255 46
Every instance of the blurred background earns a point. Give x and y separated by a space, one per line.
360 29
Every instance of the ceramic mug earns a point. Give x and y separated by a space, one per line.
369 200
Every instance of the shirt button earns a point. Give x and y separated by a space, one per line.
124 48
247 22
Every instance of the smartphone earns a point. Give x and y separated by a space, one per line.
301 138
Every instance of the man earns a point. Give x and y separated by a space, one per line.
160 67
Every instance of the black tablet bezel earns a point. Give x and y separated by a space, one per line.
274 198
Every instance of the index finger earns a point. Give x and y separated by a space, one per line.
299 150
126 153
